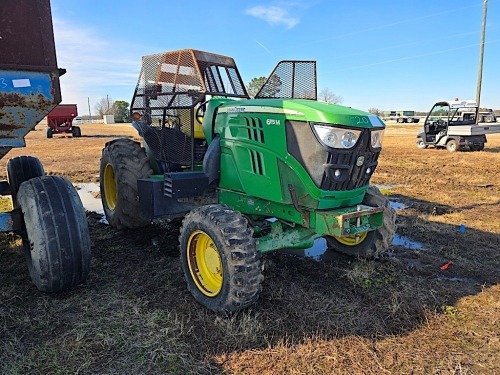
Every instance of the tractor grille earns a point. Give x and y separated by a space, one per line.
321 164
352 175
291 80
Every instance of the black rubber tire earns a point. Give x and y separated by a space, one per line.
20 169
377 241
409 120
56 238
420 144
452 145
76 131
488 118
49 132
129 163
400 120
241 262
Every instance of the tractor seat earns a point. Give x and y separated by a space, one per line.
175 148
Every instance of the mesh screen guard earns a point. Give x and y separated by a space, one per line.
180 78
291 80
170 88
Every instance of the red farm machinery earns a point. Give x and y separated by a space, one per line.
60 120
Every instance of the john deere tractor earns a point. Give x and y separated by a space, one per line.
248 176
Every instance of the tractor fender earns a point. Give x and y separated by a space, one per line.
211 160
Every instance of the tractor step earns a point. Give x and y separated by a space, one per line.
185 184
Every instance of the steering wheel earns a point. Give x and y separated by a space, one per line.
200 111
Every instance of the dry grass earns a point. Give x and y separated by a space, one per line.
401 314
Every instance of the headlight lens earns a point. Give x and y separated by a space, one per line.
337 137
377 136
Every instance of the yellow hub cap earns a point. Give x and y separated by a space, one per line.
352 240
204 263
110 189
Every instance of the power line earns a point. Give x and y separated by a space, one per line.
411 57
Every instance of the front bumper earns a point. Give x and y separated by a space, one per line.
348 221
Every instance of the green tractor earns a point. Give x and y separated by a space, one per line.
248 176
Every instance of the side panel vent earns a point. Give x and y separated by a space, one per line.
256 161
255 129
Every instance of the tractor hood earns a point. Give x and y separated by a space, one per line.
305 110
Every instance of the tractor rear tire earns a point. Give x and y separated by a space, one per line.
56 238
452 145
123 162
49 132
421 144
20 169
219 258
76 131
375 242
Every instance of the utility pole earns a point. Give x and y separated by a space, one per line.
481 52
90 114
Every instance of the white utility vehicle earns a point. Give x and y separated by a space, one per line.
453 125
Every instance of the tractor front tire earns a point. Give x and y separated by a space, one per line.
374 243
56 238
123 162
20 169
219 258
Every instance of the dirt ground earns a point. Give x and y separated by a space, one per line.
400 314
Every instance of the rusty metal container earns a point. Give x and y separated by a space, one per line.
29 77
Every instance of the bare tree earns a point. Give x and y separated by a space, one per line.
104 106
375 111
328 96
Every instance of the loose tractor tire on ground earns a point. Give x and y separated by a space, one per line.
248 176
47 212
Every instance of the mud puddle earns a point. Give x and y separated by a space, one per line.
89 195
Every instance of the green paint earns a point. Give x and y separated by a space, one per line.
303 227
285 237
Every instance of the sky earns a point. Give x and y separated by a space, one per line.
389 55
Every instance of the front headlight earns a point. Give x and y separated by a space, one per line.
377 136
337 137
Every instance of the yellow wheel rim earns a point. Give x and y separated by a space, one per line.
352 240
204 263
110 187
